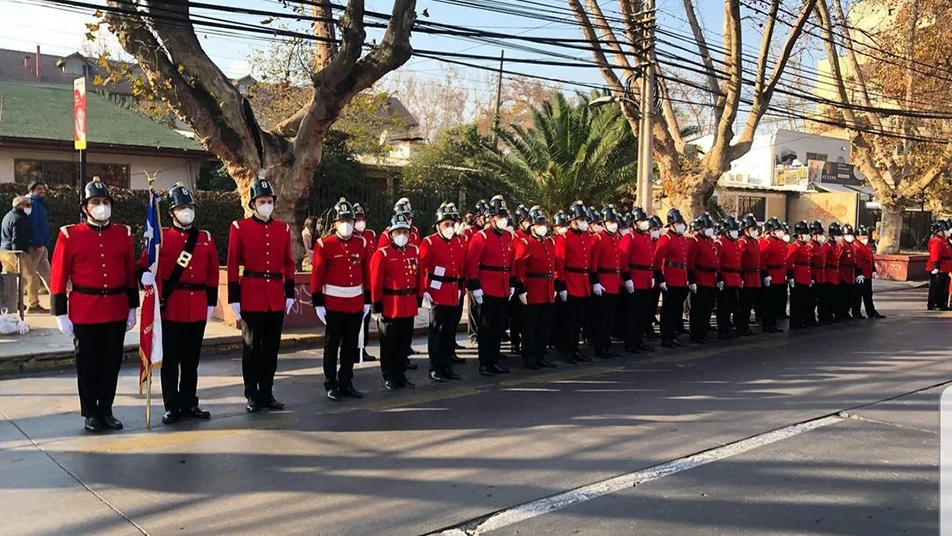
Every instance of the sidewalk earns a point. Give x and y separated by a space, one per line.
45 348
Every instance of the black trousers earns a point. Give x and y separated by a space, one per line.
813 304
555 334
843 303
770 296
458 316
536 328
747 299
654 298
340 339
572 318
98 349
702 305
636 317
799 305
181 350
441 341
395 337
672 311
603 318
492 323
366 328
727 305
856 299
826 308
938 290
781 300
866 292
515 322
261 340
472 320
621 323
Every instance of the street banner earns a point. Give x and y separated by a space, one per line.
79 114
150 328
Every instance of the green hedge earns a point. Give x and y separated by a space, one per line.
216 210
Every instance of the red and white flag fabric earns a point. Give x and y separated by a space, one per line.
150 328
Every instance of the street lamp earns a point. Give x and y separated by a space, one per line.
611 99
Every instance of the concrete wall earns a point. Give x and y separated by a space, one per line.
171 169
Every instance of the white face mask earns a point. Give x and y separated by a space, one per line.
679 228
804 238
643 225
28 210
448 232
360 226
185 216
755 234
656 234
786 238
401 240
345 229
540 230
264 211
101 212
582 225
611 227
821 239
838 239
778 234
733 234
864 240
848 238
597 228
510 228
709 232
626 231
502 224
563 230
947 233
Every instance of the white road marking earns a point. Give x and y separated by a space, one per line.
559 501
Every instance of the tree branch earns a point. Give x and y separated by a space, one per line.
705 53
608 36
717 157
325 48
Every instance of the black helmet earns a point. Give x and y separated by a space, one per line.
451 208
695 225
560 219
654 221
704 221
400 220
609 214
359 211
847 229
497 207
939 225
343 210
95 188
536 215
785 227
445 213
749 221
816 227
592 215
728 224
835 229
674 216
577 210
625 221
772 224
801 227
863 230
403 206
179 196
481 208
522 213
261 188
638 214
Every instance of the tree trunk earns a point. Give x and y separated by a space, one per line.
890 230
689 194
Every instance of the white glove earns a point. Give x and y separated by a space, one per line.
935 272
664 287
366 310
478 296
427 301
791 282
208 315
236 308
524 298
288 304
767 281
693 287
377 317
512 290
720 285
321 314
131 320
148 279
812 283
652 282
875 275
741 283
460 296
860 279
564 295
64 325
598 289
630 286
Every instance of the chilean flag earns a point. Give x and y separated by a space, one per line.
150 328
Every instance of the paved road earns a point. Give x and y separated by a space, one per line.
506 454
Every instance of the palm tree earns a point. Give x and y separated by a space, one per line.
571 151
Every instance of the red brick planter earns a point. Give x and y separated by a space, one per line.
902 267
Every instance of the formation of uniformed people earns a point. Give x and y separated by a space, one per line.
552 283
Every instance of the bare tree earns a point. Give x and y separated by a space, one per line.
688 178
161 38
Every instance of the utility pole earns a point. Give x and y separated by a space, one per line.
502 59
645 133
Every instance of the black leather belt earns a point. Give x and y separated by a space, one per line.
730 270
400 291
491 268
576 270
641 267
775 266
443 278
673 264
274 276
616 272
540 275
178 285
801 264
705 270
751 271
99 291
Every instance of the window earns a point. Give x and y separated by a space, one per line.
66 172
752 205
817 156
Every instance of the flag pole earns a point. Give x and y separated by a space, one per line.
148 380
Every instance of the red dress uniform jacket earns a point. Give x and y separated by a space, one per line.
729 255
671 259
607 262
385 237
574 251
818 263
750 262
100 263
371 237
197 288
703 264
847 256
489 262
800 263
864 259
264 249
395 281
536 269
940 254
640 257
340 274
448 257
832 273
773 252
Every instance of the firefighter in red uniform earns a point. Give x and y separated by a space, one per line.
818 271
560 226
620 325
940 255
799 265
401 207
729 254
521 231
442 260
480 212
753 274
395 283
340 291
671 274
654 297
535 271
605 269
595 227
849 274
98 259
773 254
188 289
489 280
867 265
639 256
262 294
703 270
361 230
574 251
831 276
